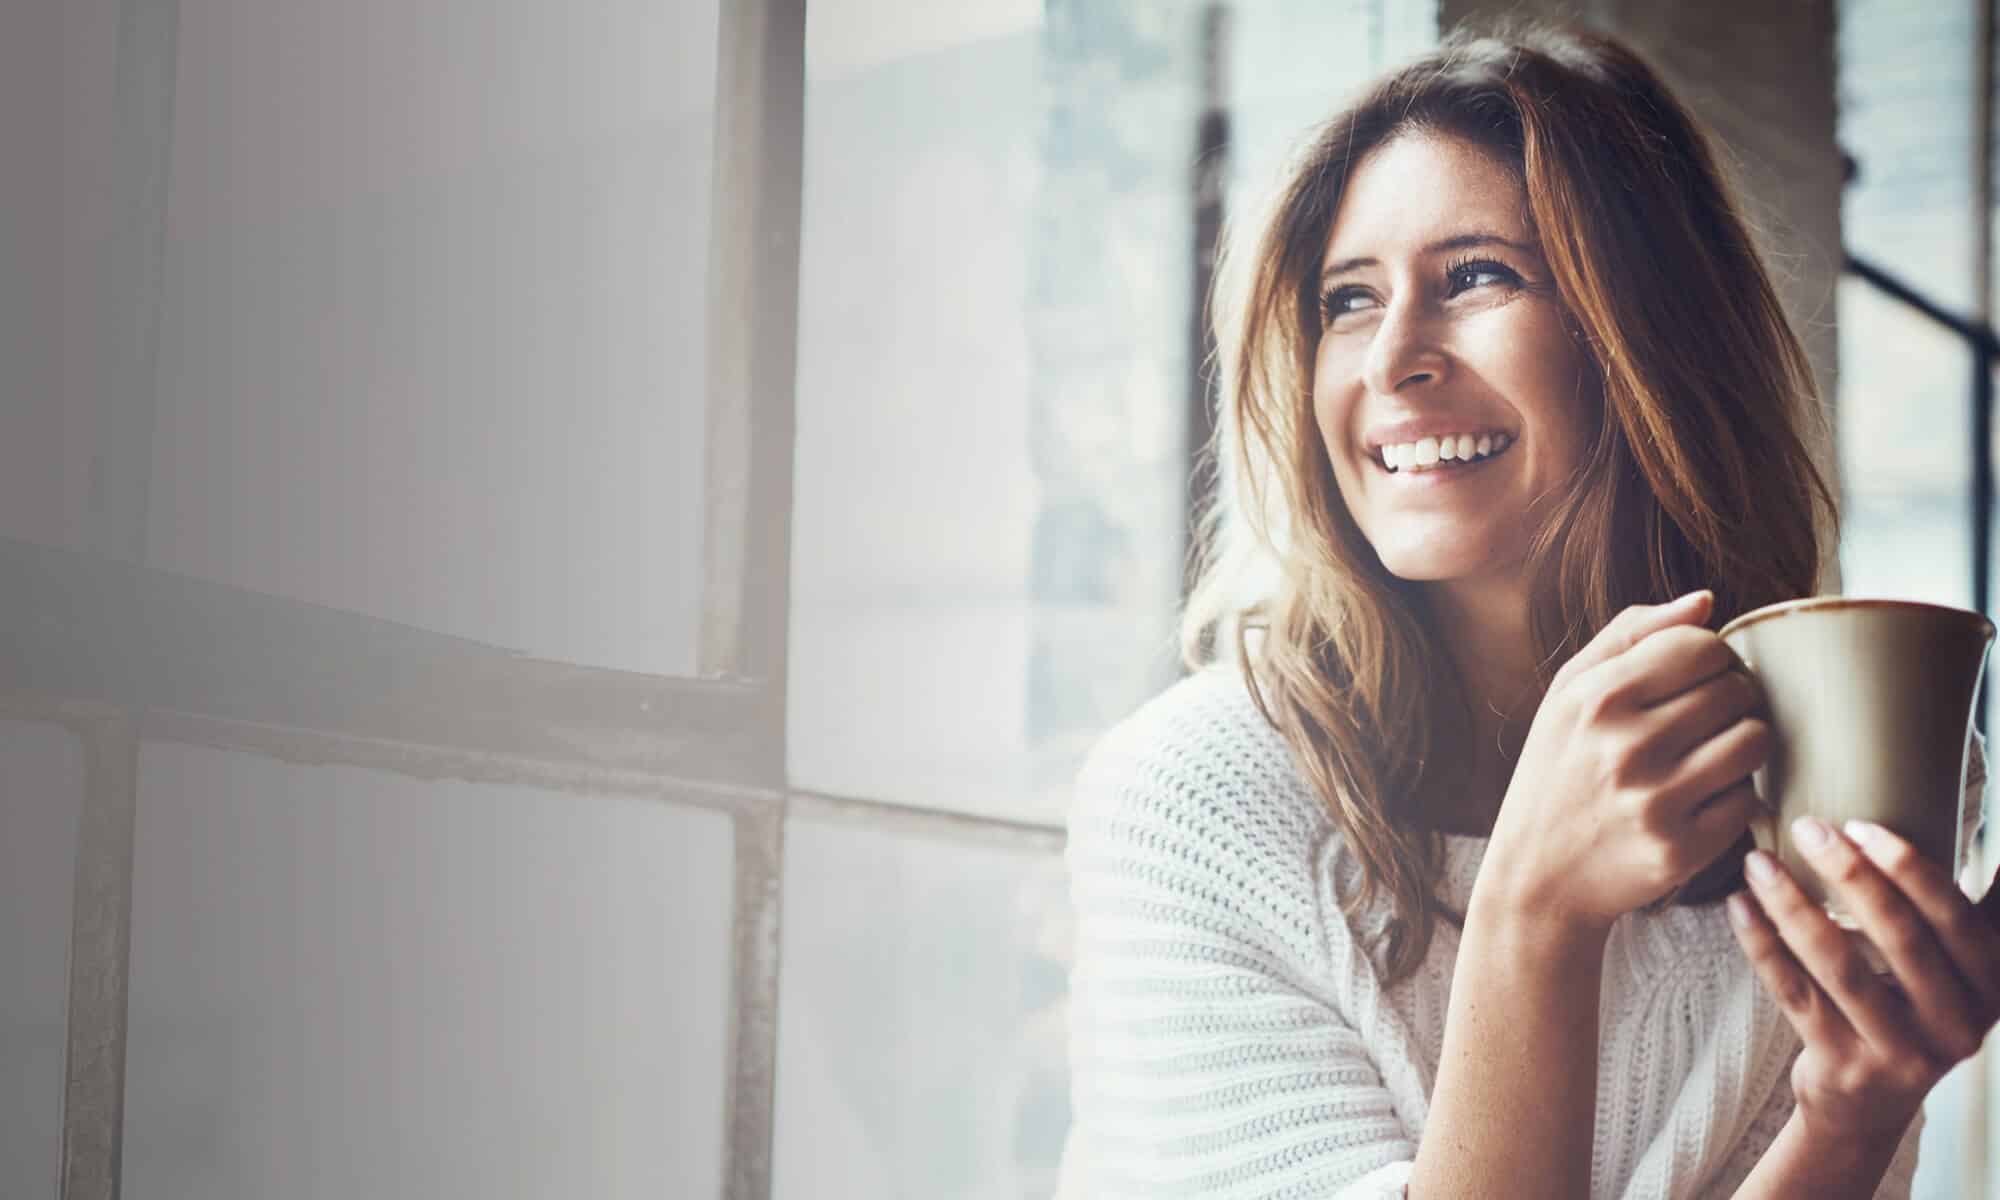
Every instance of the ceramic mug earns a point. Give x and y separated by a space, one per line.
1871 705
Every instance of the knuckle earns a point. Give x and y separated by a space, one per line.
1839 864
1664 859
1744 695
1676 864
1852 976
1790 990
1617 687
1596 701
1920 1071
1964 923
1626 774
1709 651
1757 733
1863 1076
1679 640
1755 738
1715 653
1902 934
1959 1043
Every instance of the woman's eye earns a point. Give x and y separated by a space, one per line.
1342 301
1479 274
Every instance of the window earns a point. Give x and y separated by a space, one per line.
491 625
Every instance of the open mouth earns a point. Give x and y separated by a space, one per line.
1448 455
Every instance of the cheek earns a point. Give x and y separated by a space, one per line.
1329 411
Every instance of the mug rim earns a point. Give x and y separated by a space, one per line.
1787 607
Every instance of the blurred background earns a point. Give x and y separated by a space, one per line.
557 561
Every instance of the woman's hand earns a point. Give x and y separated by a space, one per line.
1634 774
1875 1045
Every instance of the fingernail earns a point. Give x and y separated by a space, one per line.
1866 834
1811 834
1739 910
1758 866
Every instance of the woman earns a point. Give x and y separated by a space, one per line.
1514 420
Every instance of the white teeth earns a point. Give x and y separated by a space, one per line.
1452 447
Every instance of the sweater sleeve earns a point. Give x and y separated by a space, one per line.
1204 1059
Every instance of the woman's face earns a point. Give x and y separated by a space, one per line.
1441 324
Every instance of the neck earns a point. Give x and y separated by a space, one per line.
1485 628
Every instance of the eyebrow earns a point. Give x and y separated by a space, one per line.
1463 241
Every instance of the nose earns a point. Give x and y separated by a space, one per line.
1404 352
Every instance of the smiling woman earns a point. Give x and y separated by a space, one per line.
1441 324
1413 887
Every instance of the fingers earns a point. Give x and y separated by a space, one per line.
1963 930
1632 625
1699 713
1667 663
1870 1005
1720 762
1946 1004
1811 1013
1721 818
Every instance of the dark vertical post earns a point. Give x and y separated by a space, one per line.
1978 1166
1982 317
1211 169
1982 311
1982 491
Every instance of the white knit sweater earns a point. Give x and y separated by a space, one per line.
1228 1036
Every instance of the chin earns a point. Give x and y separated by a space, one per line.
1431 566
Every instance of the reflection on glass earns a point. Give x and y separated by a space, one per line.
41 799
920 1047
350 983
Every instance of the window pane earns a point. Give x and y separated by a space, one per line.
921 1048
1906 117
431 325
57 79
351 983
996 296
41 800
1905 388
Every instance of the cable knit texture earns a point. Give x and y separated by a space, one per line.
1229 1037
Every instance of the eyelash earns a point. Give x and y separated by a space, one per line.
1505 275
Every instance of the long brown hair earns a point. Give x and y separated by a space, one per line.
1700 473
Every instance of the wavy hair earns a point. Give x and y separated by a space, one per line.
1700 472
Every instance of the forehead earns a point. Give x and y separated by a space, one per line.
1420 188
